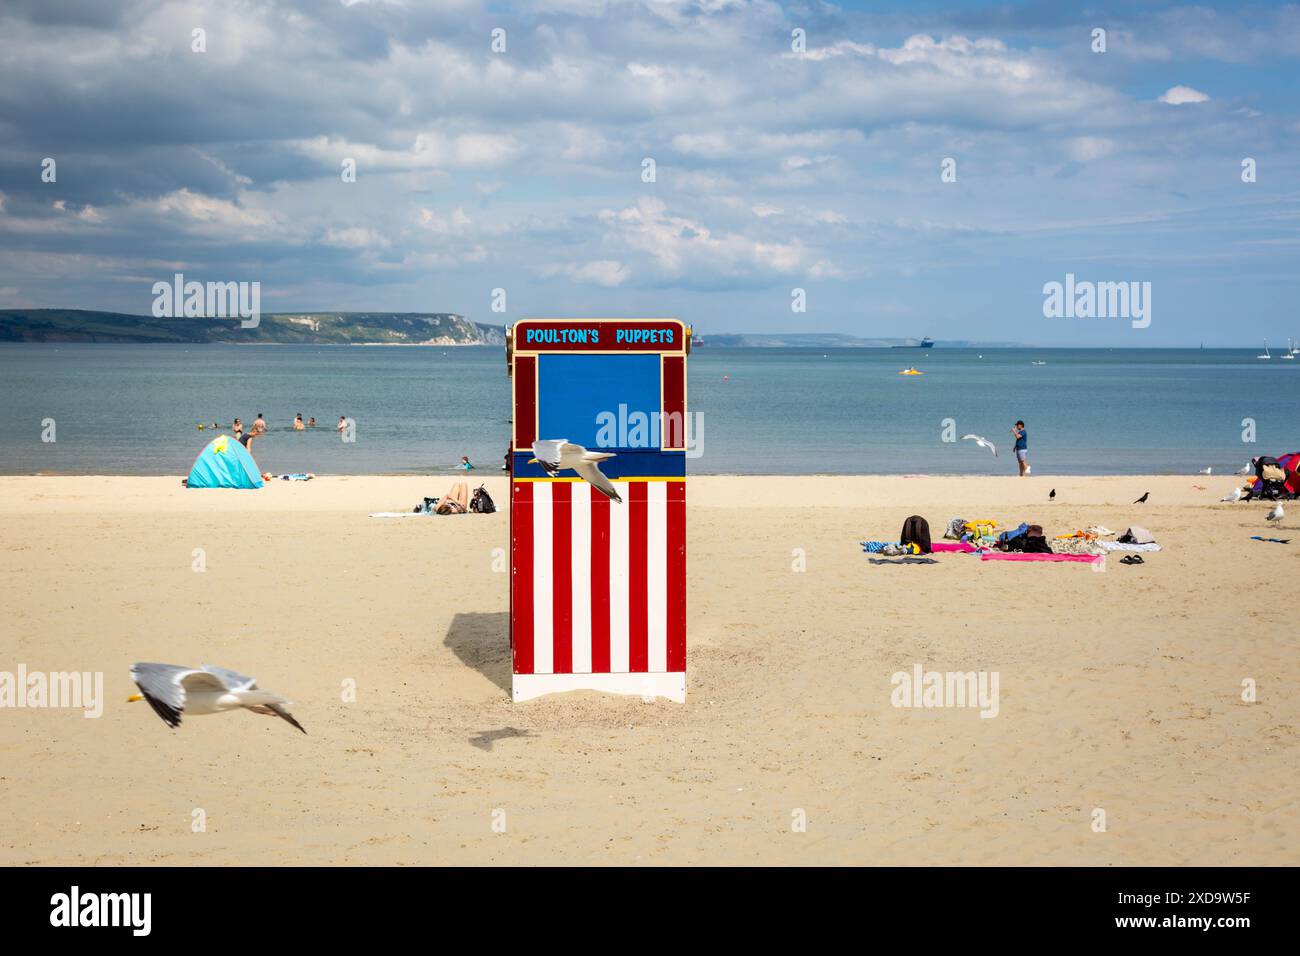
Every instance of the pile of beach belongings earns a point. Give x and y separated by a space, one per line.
980 533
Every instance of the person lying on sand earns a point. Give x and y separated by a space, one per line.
456 501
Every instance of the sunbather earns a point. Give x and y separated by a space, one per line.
456 501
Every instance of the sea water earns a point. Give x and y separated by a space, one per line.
134 409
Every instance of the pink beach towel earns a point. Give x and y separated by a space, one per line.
1020 556
946 547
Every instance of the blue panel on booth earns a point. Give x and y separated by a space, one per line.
573 389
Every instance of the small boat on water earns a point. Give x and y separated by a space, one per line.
1266 354
1037 363
1290 350
910 371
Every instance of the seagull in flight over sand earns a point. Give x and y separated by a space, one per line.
982 442
1276 515
555 455
172 690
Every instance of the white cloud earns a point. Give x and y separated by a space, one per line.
355 237
186 206
602 272
428 149
1178 95
1085 149
685 248
453 224
839 48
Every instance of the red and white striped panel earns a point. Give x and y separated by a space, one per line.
599 587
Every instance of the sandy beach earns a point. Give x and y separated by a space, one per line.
1119 691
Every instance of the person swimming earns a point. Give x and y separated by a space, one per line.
311 423
465 463
297 423
237 428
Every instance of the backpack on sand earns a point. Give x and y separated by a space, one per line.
482 502
916 530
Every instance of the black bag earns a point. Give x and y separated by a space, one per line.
1036 541
482 502
1035 544
916 530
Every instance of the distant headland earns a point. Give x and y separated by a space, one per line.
284 328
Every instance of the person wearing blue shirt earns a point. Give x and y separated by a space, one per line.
1022 447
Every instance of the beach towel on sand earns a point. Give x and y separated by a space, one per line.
1021 556
889 547
1127 546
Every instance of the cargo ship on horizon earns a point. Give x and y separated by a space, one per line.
926 343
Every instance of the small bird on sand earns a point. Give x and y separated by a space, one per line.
1248 468
982 442
1143 499
1204 471
172 689
1052 495
559 453
1235 495
1276 515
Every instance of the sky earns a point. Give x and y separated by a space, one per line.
915 168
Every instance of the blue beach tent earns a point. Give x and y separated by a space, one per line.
225 463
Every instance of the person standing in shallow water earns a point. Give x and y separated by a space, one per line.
1022 447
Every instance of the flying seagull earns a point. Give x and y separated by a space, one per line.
1143 499
1276 515
555 455
172 690
982 442
1052 495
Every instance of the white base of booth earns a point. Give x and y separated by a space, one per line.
672 686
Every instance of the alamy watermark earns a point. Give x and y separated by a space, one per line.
922 688
1098 300
208 300
82 690
638 429
75 908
